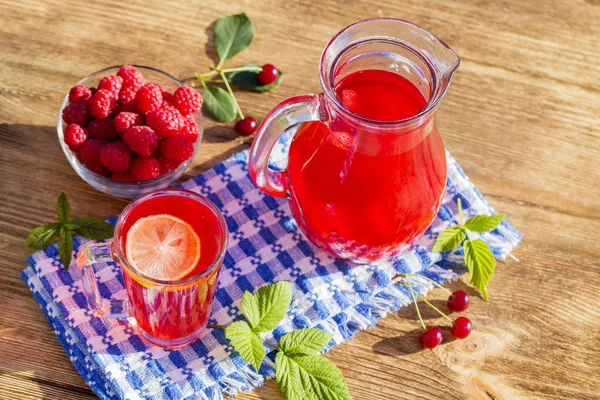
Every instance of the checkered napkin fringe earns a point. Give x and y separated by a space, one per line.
265 246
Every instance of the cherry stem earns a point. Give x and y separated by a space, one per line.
215 326
424 277
437 309
238 69
237 106
412 292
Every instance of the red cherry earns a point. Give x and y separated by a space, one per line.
245 127
432 337
268 74
459 301
461 328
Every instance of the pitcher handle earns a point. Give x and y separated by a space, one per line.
303 108
89 255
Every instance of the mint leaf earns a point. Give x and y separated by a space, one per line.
43 236
249 80
483 223
232 34
219 104
481 262
273 303
246 342
63 208
250 308
301 377
65 247
307 341
91 228
449 239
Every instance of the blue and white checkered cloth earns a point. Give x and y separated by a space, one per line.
265 246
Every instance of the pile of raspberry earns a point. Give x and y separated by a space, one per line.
131 131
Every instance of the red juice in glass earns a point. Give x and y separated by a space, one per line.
170 306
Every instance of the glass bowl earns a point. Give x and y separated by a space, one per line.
110 186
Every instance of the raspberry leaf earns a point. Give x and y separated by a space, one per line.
306 341
65 247
232 34
92 228
246 342
43 236
483 223
481 262
63 208
314 377
250 308
273 302
249 80
449 238
219 103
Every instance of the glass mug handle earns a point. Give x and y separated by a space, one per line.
89 255
303 108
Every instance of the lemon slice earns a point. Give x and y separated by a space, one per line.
163 247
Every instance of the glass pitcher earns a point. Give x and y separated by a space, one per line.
362 189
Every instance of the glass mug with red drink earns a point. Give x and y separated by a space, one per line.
170 245
367 166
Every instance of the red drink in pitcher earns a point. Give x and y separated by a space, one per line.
170 245
356 193
367 166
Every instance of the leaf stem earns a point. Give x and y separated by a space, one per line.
271 345
215 326
437 309
424 277
460 213
412 292
237 106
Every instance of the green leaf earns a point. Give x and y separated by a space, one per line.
273 303
483 223
63 208
301 377
250 308
43 236
481 262
232 34
449 239
249 80
219 104
92 228
246 342
307 341
65 247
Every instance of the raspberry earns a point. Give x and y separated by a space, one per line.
128 93
141 139
102 129
79 94
166 121
145 168
131 76
76 113
75 136
125 120
187 100
102 104
149 98
168 98
129 106
176 148
99 169
89 152
190 129
166 165
123 177
111 83
116 157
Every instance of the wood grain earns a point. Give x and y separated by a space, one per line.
522 117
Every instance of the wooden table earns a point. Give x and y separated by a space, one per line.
522 118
